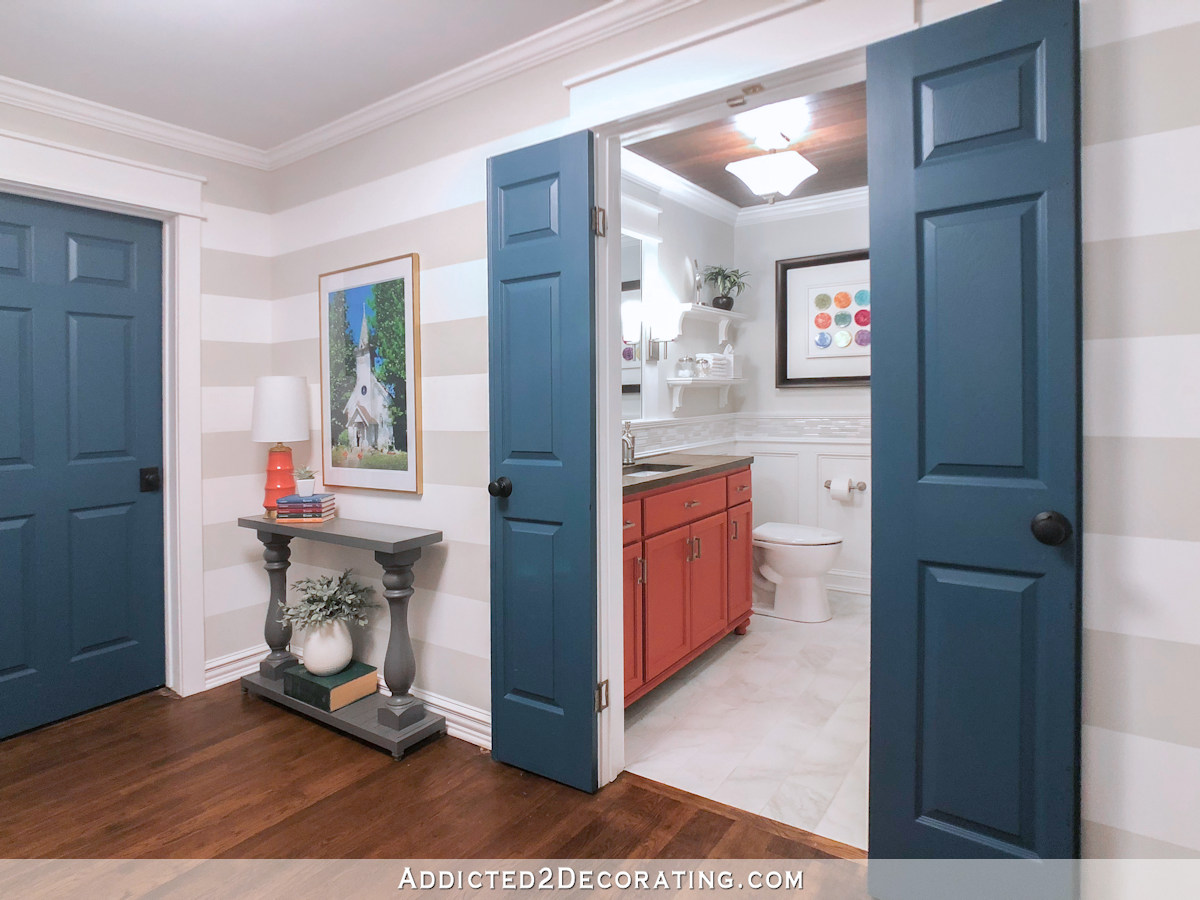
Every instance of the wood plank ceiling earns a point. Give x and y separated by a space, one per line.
836 143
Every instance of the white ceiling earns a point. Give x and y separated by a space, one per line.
259 72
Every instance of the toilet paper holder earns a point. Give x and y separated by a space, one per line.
854 486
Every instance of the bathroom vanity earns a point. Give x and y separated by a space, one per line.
687 563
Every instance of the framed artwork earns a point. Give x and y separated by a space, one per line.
371 375
823 320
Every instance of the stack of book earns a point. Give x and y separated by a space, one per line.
331 692
299 510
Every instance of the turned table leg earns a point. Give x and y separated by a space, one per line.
276 554
399 665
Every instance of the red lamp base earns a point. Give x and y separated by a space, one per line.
280 482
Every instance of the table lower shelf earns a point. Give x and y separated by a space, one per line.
358 718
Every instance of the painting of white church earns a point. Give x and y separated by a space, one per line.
371 377
368 409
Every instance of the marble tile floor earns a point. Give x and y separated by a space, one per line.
773 722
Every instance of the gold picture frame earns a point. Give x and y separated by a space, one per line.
370 344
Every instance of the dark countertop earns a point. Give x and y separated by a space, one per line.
696 465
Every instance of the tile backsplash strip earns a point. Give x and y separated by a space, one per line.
674 435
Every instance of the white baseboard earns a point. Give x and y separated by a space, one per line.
848 582
463 721
232 666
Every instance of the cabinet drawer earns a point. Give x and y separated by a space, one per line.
738 485
631 521
684 504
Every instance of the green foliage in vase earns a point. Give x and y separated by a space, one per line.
728 282
341 362
304 472
327 599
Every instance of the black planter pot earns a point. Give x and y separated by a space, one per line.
725 303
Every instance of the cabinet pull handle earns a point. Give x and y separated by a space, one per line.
642 565
743 487
735 524
698 548
629 525
691 550
690 503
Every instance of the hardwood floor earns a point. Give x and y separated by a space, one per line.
223 774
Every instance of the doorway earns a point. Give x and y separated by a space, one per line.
82 523
957 728
974 216
774 722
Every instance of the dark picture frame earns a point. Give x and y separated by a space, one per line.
784 379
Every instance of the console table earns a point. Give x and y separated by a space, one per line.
394 723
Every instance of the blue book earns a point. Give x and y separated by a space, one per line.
301 501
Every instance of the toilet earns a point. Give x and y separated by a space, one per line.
795 558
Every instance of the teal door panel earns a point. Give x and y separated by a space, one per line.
81 546
543 461
974 181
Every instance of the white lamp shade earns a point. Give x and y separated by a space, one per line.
280 409
773 173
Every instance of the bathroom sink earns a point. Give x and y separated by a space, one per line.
648 470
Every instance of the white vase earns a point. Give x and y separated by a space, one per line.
306 486
328 648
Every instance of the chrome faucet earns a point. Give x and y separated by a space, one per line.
627 445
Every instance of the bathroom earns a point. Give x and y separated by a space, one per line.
775 720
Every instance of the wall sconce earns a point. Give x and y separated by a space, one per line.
663 324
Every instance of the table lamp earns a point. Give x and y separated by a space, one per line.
280 414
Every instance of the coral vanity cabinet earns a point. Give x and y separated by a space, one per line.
687 573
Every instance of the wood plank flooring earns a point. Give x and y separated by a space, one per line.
223 774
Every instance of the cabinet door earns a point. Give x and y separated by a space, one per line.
708 579
633 618
741 561
665 592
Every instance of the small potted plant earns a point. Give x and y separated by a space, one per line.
728 282
325 610
306 481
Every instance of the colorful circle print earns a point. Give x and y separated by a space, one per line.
841 299
862 317
822 320
842 339
863 298
823 340
863 338
842 319
822 301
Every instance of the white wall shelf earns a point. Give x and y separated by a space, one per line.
678 385
711 314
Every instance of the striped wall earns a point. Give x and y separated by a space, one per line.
418 186
1141 225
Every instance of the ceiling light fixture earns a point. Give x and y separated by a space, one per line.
773 173
776 125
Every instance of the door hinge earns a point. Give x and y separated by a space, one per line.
599 221
602 696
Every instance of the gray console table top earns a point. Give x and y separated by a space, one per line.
350 533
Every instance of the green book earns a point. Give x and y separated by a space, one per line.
330 692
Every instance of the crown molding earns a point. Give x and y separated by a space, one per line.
642 171
854 198
614 18
667 49
120 121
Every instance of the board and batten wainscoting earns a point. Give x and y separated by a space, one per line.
793 458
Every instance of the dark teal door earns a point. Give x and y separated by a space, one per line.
81 547
543 459
974 177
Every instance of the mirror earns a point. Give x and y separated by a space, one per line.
632 345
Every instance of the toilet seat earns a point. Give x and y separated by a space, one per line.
795 535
